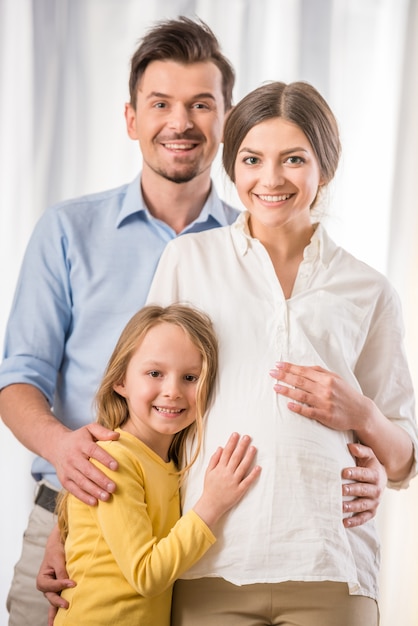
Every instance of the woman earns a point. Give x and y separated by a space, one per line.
288 303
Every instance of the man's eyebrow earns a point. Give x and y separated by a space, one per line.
164 96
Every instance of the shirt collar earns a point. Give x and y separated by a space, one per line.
321 245
133 202
213 208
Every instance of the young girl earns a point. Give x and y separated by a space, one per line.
288 303
126 553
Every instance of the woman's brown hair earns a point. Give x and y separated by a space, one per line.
299 103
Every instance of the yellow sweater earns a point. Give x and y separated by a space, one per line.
125 554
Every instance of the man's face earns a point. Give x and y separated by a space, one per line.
179 118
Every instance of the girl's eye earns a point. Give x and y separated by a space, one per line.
154 374
252 160
190 378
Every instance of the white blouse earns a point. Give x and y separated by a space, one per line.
342 315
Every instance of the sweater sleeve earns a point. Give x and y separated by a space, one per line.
150 564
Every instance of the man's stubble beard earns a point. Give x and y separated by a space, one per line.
178 177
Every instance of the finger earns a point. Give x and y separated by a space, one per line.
93 451
86 490
244 465
56 601
52 611
361 474
249 479
230 447
85 496
89 479
47 584
361 490
240 454
363 453
360 505
312 373
358 519
214 459
97 474
101 433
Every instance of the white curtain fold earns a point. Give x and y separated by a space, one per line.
64 69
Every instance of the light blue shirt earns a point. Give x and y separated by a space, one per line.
86 271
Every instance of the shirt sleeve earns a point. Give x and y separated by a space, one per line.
41 312
383 371
150 565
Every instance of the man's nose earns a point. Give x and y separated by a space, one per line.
180 119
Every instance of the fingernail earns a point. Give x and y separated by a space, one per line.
113 465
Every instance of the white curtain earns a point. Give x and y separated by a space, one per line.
64 69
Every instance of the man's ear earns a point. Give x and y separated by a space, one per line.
130 118
226 117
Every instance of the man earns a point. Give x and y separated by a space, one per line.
88 268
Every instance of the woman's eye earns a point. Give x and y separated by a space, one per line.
251 160
295 160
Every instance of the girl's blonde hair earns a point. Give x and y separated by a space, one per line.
112 409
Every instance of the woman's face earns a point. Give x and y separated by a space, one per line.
277 176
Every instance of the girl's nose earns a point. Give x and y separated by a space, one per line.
172 388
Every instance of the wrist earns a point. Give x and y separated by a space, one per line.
207 512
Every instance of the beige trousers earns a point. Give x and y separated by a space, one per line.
215 602
27 605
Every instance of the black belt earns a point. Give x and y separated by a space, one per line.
46 498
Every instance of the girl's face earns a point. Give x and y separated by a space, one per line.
160 386
277 176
